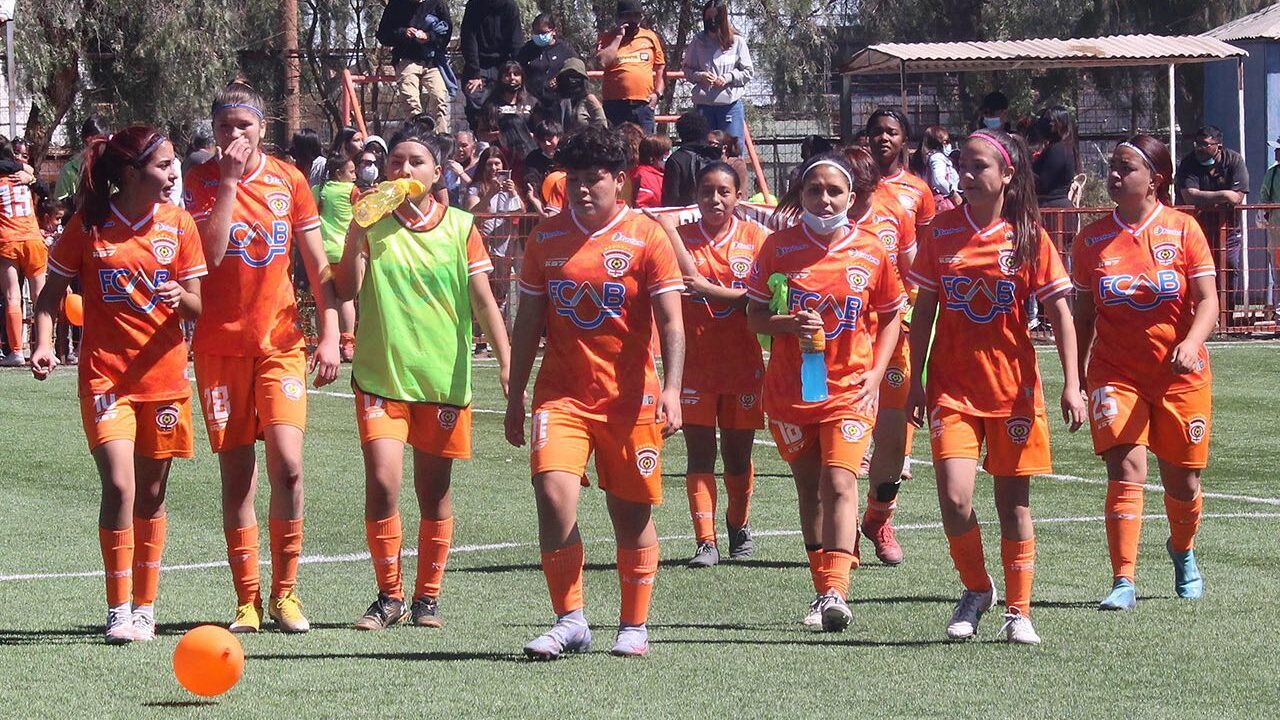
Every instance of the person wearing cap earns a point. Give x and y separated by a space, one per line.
633 62
1215 179
718 64
1271 218
543 57
418 33
573 105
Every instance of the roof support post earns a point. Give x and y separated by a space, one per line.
1244 214
1173 121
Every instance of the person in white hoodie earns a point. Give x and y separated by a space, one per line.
718 64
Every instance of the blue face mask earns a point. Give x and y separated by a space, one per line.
991 123
544 39
825 225
1209 162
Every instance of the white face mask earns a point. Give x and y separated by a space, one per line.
825 225
946 149
367 174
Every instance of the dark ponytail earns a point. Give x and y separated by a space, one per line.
105 161
1021 210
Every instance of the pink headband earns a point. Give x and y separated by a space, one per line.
993 142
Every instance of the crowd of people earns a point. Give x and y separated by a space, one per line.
878 267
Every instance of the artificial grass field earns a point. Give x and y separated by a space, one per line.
725 641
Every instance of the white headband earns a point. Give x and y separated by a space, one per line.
832 164
1141 154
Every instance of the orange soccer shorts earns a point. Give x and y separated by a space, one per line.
1174 426
729 412
159 429
30 256
842 442
243 395
897 377
628 455
440 430
1016 446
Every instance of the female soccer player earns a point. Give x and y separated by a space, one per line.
140 261
250 359
597 277
333 201
887 130
22 253
1146 301
723 365
420 272
838 277
976 268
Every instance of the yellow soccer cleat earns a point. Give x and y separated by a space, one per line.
286 610
248 619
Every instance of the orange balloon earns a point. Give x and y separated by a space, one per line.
73 308
208 660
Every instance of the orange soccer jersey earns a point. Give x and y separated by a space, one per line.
894 224
846 282
249 307
1140 278
915 195
133 346
599 286
982 361
722 355
17 212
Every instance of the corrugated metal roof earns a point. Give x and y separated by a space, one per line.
1262 25
1039 54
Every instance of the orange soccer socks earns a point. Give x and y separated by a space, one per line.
286 549
816 573
385 537
637 569
701 488
966 554
1124 527
117 562
434 539
1184 521
148 536
836 565
739 489
242 556
563 570
1019 560
13 326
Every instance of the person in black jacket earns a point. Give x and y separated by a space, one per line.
543 58
679 175
491 35
418 32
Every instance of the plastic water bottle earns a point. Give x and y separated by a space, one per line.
373 207
813 368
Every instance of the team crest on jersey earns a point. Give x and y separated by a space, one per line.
1019 429
167 418
1197 428
895 377
740 266
616 262
859 277
747 401
165 249
647 460
1165 253
853 430
447 417
278 203
889 238
1008 262
292 387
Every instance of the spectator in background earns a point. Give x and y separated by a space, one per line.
504 117
817 145
632 136
308 156
198 152
494 193
543 58
418 33
574 107
460 169
633 62
69 179
1270 220
1215 180
1057 164
540 161
648 175
861 139
368 169
679 178
932 162
993 113
731 154
718 64
491 35
334 198
348 143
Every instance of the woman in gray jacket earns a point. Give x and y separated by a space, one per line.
718 64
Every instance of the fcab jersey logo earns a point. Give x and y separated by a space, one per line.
256 245
586 306
1139 291
979 301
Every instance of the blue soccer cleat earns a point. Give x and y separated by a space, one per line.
1186 574
1124 596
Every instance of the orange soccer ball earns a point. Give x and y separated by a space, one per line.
208 660
73 308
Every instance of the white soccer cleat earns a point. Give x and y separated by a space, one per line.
144 623
120 625
964 621
813 618
1017 629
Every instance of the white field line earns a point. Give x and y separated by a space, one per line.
463 549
